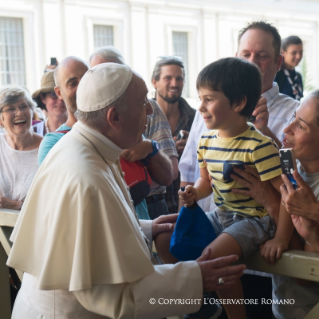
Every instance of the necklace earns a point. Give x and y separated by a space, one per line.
47 126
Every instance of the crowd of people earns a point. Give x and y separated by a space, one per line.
96 168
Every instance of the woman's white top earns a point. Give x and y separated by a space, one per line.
17 170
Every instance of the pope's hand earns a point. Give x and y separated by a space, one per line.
163 223
217 268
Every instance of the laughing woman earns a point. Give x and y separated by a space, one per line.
18 146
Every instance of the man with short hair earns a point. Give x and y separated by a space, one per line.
259 42
83 251
67 76
168 79
106 54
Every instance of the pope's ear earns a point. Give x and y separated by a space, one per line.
113 118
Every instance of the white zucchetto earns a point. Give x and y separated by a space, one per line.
102 85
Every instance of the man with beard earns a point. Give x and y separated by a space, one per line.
168 80
67 76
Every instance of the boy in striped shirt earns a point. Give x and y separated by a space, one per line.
229 90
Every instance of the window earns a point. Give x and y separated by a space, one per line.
12 62
180 49
103 35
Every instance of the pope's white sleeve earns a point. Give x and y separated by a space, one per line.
146 226
170 290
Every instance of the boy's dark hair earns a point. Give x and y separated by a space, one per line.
266 27
236 78
293 39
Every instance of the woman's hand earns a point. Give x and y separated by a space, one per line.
308 229
188 196
9 203
301 201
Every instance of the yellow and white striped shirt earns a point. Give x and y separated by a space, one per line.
221 154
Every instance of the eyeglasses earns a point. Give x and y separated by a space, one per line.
12 110
52 95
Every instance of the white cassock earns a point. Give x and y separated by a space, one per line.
81 247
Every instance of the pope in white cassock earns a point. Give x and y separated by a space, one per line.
83 251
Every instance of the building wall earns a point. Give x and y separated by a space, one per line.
143 30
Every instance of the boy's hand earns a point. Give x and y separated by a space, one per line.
273 249
188 196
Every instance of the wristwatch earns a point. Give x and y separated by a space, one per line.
156 148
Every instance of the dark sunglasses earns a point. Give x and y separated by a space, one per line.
52 95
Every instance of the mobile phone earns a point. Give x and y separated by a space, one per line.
53 61
252 118
288 164
180 136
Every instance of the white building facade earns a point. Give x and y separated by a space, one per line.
199 31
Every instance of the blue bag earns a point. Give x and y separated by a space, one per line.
193 232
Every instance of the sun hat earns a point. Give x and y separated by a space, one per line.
47 84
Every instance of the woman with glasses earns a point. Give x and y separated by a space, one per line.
18 146
53 108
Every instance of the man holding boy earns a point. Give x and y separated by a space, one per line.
259 42
229 90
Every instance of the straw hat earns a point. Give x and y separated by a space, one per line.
47 84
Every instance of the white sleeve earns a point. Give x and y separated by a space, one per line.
146 226
170 290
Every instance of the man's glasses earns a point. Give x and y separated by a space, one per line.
13 110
